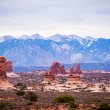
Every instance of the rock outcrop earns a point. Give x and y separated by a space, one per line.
48 78
9 69
4 84
3 75
57 68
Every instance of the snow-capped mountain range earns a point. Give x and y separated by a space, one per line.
36 50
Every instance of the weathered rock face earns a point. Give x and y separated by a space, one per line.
73 78
9 66
72 70
57 68
62 69
78 70
49 76
4 84
3 68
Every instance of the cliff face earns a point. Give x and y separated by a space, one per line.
3 68
4 84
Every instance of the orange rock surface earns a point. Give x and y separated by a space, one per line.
3 68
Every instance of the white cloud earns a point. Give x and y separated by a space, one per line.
47 17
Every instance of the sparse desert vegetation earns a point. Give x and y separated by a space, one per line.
42 99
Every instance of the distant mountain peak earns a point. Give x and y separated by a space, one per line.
90 38
24 37
63 48
74 36
5 38
36 36
57 37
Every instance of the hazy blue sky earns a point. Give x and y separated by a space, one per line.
48 17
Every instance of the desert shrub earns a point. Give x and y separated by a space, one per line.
63 99
2 105
31 96
104 106
28 102
5 106
21 86
20 93
72 105
27 108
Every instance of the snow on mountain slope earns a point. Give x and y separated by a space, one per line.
68 38
34 36
37 51
5 38
77 38
89 41
24 37
58 38
28 55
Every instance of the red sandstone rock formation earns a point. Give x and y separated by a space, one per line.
4 84
72 70
62 69
78 67
48 78
78 70
74 74
57 68
71 77
9 66
3 68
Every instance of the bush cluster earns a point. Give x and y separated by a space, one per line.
104 106
31 96
5 106
21 86
20 93
64 99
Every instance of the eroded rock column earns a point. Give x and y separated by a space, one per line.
3 68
